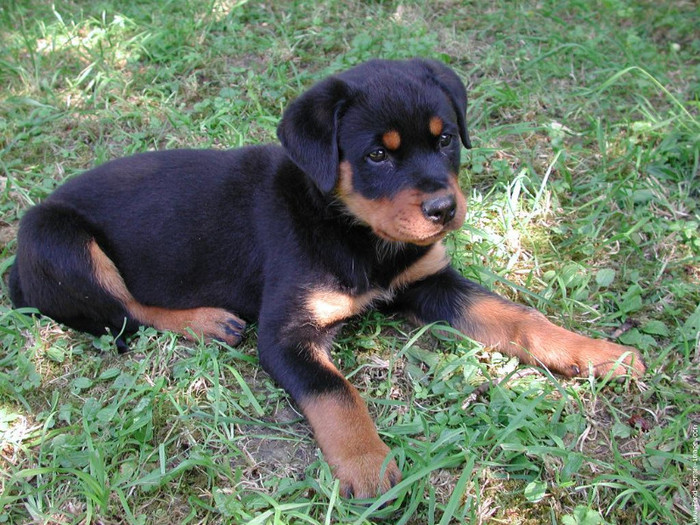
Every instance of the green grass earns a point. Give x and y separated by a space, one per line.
583 189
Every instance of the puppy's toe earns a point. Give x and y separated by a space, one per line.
231 330
218 324
361 475
603 357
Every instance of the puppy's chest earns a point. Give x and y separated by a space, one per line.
327 305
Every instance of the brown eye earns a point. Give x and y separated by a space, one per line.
445 140
378 155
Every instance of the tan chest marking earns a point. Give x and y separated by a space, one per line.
432 262
327 306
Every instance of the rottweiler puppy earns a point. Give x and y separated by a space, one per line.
348 214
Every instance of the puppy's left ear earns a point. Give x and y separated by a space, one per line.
309 131
448 81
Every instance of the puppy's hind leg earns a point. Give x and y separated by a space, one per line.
63 272
208 322
53 272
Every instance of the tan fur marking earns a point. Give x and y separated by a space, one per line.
213 323
527 334
432 262
363 209
400 218
461 211
392 140
328 306
107 274
348 438
321 355
435 125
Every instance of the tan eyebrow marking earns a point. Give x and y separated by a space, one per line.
392 140
435 125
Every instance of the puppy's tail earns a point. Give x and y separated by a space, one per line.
54 272
15 285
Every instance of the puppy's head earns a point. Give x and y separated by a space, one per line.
384 138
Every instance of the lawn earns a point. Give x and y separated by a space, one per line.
583 190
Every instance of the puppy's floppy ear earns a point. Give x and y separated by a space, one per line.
309 131
452 86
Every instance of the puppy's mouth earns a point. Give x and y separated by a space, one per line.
421 220
420 241
416 227
410 216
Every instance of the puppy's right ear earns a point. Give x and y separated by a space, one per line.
448 81
309 131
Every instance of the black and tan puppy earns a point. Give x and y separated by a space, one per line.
347 215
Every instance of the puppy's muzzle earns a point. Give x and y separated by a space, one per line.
440 210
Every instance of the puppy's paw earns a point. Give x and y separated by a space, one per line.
360 475
217 324
231 330
349 441
602 357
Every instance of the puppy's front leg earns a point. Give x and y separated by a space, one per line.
514 329
338 416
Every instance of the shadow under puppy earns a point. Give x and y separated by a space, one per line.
347 215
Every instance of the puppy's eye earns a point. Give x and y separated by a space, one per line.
377 155
445 140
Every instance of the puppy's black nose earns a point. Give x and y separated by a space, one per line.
441 209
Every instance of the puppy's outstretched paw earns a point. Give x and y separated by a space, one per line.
603 358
